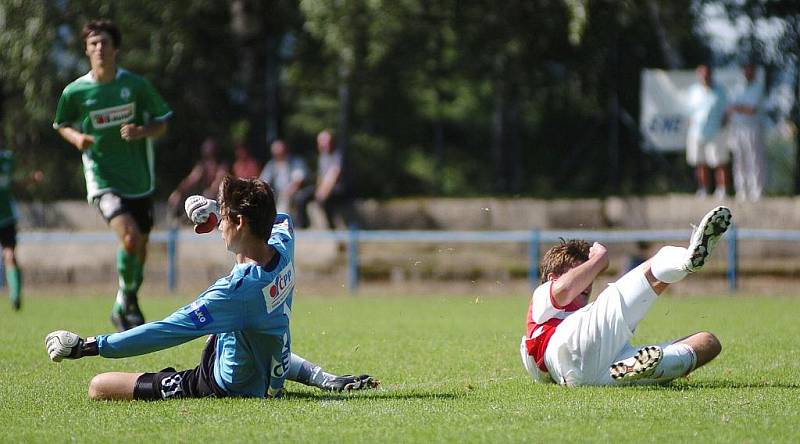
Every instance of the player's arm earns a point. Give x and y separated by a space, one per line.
155 105
194 177
572 283
211 313
67 113
131 131
80 140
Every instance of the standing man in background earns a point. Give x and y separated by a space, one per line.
705 150
110 115
746 137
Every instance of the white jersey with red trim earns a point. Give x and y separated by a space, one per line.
544 315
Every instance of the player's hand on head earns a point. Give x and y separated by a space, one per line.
599 251
62 344
203 212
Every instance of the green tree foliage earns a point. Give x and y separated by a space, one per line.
439 97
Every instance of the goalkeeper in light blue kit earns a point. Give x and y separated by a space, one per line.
246 313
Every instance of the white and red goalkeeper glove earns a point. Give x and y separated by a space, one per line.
62 344
203 212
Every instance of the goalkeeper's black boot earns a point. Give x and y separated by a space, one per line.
346 383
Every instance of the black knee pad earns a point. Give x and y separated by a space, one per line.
146 388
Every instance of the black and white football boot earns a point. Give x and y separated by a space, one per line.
639 366
705 237
348 383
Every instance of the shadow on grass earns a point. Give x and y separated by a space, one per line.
723 383
369 395
720 384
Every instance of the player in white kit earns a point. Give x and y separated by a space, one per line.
573 343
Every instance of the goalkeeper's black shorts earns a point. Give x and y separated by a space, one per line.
194 383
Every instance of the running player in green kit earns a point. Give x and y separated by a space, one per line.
8 229
110 115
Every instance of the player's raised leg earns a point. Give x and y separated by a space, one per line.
308 373
670 265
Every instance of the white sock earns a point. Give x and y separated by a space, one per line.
678 360
668 265
306 372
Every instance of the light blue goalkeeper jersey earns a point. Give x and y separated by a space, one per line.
248 311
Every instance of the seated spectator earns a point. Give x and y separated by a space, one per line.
204 178
245 166
330 191
286 174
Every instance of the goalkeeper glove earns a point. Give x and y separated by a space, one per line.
203 212
64 344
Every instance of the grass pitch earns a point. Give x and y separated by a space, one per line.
450 373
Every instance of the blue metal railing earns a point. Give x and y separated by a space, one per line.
354 237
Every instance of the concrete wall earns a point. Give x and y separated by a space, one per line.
658 212
203 260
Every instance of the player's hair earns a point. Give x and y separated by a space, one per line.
252 199
102 25
562 257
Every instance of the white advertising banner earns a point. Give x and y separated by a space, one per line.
664 115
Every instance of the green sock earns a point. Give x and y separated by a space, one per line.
129 269
139 276
14 280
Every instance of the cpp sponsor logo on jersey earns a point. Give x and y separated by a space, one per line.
199 314
277 368
115 116
278 290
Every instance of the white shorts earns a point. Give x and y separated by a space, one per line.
712 153
588 341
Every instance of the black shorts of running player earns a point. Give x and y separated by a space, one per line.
8 236
112 205
195 383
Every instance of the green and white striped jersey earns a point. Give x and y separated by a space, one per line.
100 109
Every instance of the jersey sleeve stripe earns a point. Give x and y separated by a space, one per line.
162 118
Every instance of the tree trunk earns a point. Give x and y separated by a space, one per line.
796 120
672 57
248 25
273 105
498 137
